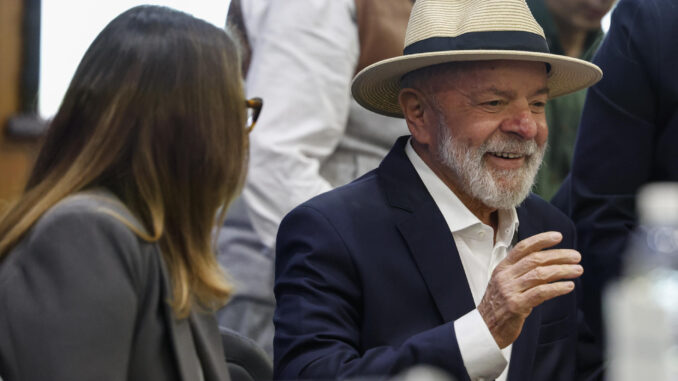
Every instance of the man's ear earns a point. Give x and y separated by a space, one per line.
417 113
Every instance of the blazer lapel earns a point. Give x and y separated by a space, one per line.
187 360
190 337
208 344
436 255
185 354
428 238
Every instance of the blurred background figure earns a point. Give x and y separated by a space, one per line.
301 56
572 28
106 260
627 138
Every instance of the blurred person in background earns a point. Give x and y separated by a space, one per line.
107 268
572 28
301 56
627 138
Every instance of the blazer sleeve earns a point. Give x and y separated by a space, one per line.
589 350
318 314
68 299
616 153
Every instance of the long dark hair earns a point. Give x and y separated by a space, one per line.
154 113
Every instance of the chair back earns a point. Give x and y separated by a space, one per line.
246 361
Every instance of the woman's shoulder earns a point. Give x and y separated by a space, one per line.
84 230
81 276
95 208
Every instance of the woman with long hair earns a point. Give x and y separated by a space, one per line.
107 269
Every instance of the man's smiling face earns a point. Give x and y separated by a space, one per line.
491 131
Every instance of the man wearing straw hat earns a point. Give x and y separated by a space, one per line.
441 255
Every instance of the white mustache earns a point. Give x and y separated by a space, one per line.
509 145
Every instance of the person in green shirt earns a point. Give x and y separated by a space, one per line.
572 28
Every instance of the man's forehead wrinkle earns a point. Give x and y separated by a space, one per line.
479 89
493 89
543 91
456 78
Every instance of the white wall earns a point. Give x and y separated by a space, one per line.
70 26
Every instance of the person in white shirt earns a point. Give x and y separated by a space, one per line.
312 136
441 256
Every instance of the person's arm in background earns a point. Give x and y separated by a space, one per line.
304 54
615 153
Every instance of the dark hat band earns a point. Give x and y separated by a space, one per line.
492 40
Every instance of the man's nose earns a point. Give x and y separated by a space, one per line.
521 121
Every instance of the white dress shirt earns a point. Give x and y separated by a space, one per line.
311 135
479 255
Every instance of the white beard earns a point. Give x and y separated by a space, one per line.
495 188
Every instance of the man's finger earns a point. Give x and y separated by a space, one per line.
547 274
539 294
534 243
545 258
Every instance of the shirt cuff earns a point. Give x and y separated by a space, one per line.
482 356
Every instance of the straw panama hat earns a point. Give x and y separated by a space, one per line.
442 31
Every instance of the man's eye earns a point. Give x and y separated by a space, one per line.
493 103
538 106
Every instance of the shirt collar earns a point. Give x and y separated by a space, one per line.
457 215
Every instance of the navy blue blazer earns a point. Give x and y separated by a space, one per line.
369 282
627 137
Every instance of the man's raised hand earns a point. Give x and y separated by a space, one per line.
527 277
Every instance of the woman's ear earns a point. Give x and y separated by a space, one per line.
417 113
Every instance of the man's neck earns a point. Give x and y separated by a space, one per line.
486 215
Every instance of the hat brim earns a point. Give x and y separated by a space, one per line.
377 86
